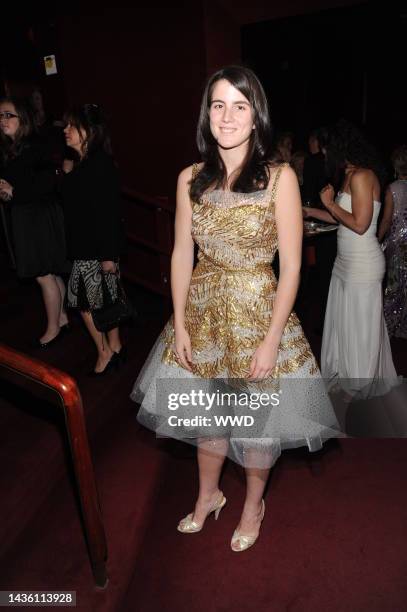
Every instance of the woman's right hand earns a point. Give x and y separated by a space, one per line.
327 195
109 267
182 348
6 191
67 166
4 196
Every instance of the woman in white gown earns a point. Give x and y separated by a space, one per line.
356 350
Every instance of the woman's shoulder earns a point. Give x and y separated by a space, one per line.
279 170
190 172
358 174
362 178
274 166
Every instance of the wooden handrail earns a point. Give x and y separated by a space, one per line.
18 367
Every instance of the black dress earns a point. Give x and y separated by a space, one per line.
91 202
36 216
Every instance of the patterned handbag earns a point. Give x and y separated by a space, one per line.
113 312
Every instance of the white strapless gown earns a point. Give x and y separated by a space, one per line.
355 343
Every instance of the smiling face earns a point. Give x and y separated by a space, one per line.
9 120
231 116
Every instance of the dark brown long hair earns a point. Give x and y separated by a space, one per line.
254 174
92 120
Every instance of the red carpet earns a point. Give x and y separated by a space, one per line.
333 537
333 541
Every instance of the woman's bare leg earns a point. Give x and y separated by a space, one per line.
63 318
256 480
211 456
52 302
114 340
104 351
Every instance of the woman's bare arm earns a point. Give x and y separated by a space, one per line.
318 213
289 229
182 262
361 188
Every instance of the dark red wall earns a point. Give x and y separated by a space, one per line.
147 69
222 37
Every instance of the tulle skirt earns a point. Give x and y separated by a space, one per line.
255 422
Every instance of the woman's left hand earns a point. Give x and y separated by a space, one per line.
263 361
327 195
109 267
67 166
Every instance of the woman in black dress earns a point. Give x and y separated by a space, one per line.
91 196
28 184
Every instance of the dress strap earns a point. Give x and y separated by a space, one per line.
277 178
195 171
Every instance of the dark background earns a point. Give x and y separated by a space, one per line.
318 60
346 62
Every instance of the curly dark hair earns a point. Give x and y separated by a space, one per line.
345 143
26 129
254 173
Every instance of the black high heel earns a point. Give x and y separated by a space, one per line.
64 329
108 367
120 357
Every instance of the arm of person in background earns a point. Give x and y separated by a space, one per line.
289 232
361 191
182 261
387 215
317 213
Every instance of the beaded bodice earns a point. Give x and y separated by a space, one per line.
236 231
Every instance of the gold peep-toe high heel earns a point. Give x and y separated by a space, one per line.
187 525
246 541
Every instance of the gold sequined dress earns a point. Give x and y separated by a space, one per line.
228 313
